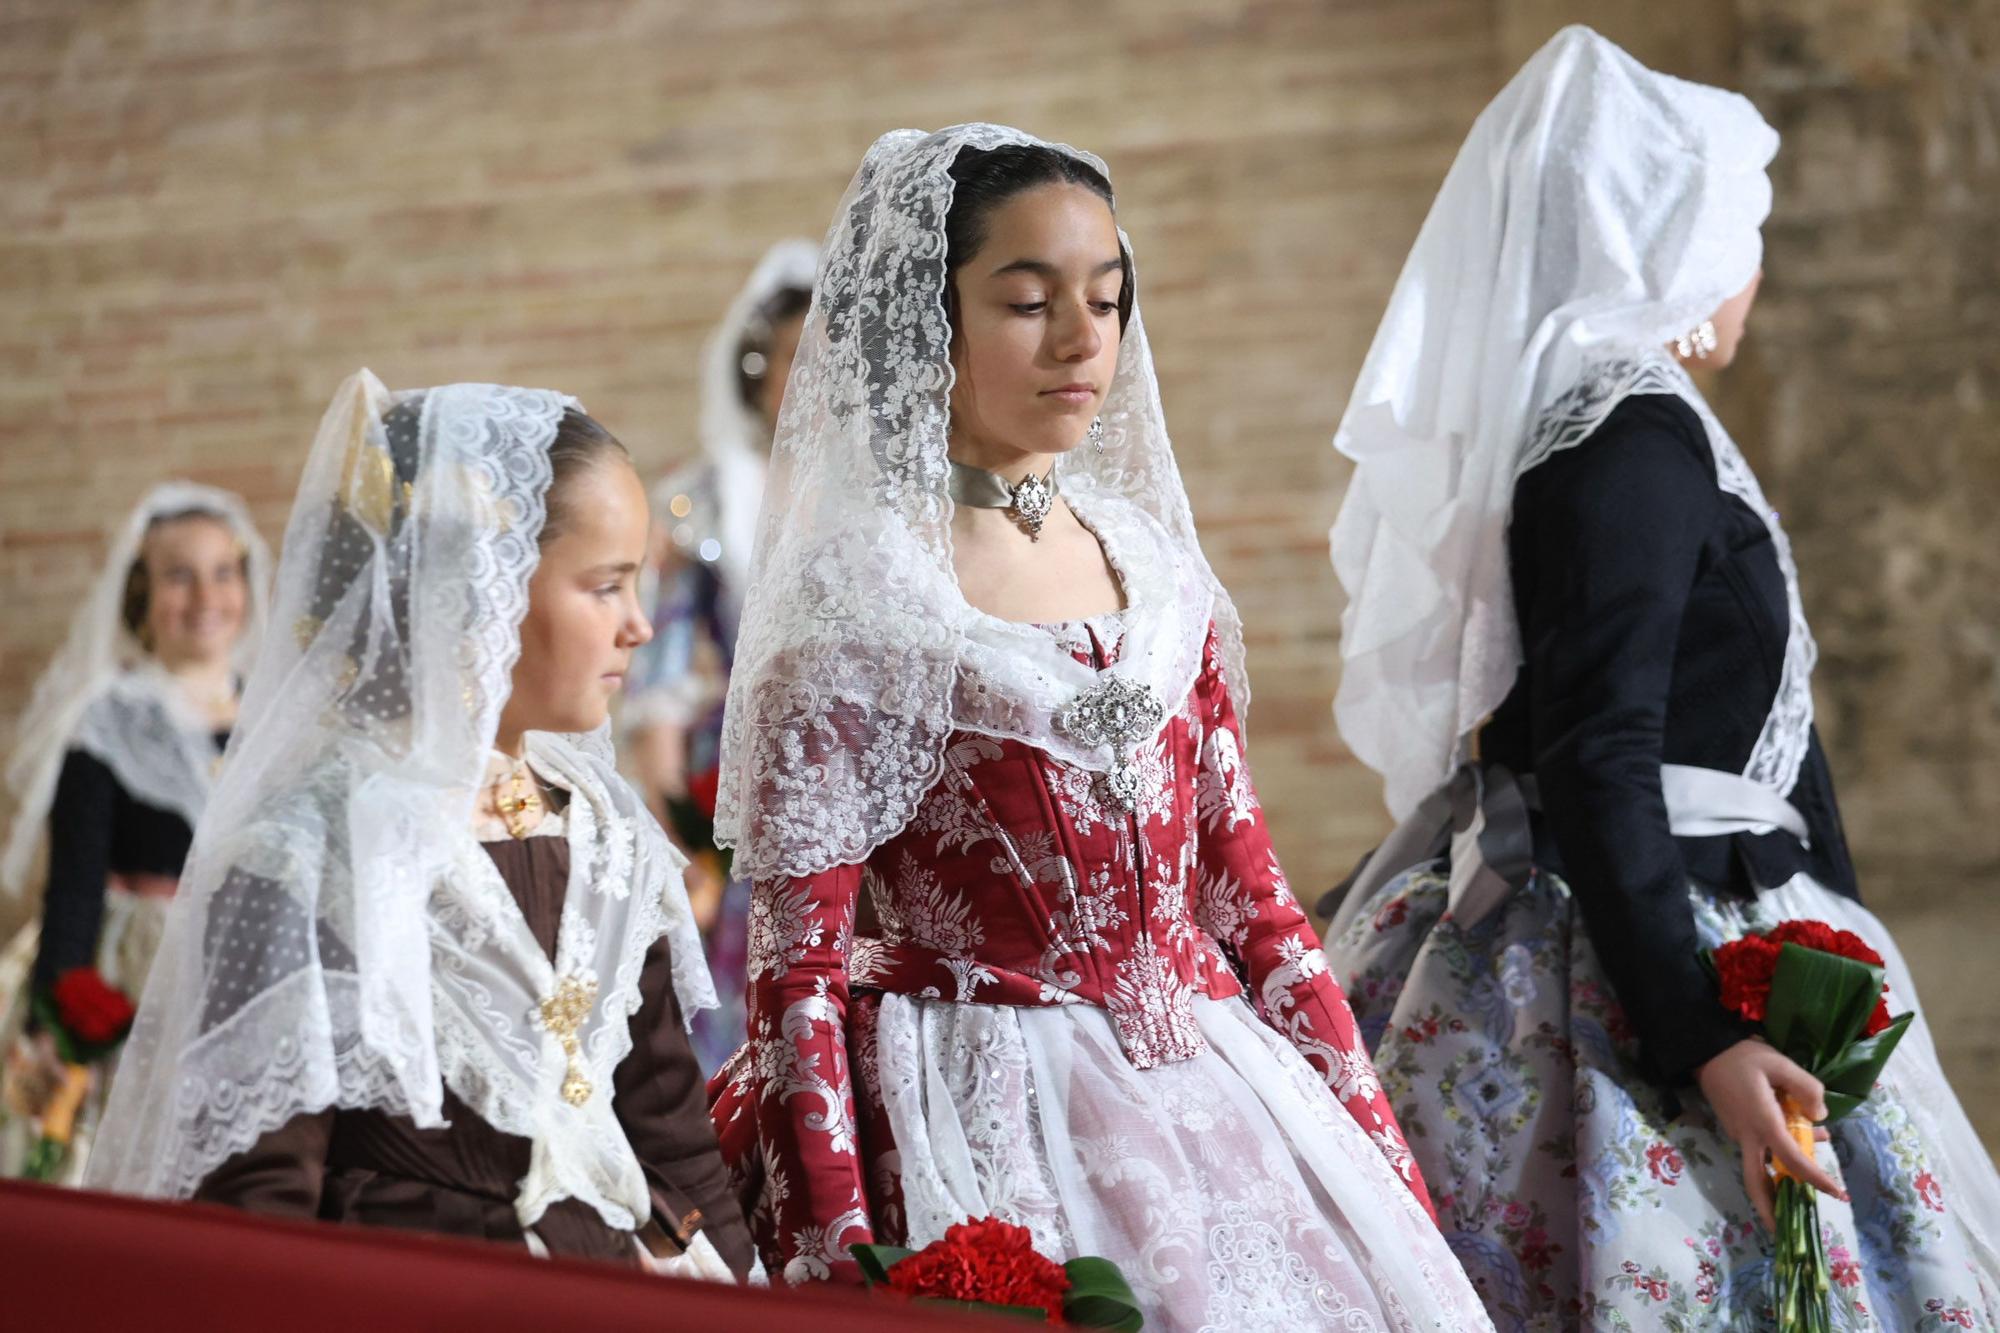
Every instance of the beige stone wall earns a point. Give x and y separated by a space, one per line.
212 210
1873 390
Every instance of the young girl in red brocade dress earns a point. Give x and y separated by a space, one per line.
986 678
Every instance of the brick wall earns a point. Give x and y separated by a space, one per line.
213 210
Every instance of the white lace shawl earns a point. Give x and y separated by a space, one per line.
1596 211
339 938
102 693
858 655
142 727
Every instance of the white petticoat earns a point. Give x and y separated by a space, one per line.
1231 1189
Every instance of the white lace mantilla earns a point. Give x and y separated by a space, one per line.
104 692
859 658
1596 207
341 939
152 741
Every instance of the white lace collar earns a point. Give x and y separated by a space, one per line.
142 727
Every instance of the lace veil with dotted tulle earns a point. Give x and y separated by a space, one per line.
858 655
340 938
1597 210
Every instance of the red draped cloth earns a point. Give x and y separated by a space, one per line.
81 1260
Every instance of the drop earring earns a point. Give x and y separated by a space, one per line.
1698 342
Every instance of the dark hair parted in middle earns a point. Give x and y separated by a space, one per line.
580 443
985 178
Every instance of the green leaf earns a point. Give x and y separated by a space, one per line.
1819 1003
877 1260
1029 1312
45 1161
1850 1076
1099 1296
49 1019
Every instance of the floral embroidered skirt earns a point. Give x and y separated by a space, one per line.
1572 1196
1231 1189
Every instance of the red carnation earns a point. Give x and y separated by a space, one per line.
702 789
1745 968
1819 935
1844 943
90 1008
987 1260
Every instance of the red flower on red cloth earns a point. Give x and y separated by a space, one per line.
986 1260
90 1008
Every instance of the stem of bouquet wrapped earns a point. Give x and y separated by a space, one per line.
59 1119
1804 1281
1799 1126
1819 996
46 1158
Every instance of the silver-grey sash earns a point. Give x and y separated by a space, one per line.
1479 817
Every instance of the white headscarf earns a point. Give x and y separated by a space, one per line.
340 938
104 693
1596 211
859 656
734 438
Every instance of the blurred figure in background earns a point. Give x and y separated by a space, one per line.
114 757
705 519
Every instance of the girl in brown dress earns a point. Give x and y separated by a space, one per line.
433 961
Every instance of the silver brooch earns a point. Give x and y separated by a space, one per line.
1115 712
1120 788
1033 498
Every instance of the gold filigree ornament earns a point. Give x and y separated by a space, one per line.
521 806
562 1015
368 478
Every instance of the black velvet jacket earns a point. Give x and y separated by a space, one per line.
98 829
1653 624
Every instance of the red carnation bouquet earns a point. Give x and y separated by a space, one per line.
87 1017
993 1266
1819 995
